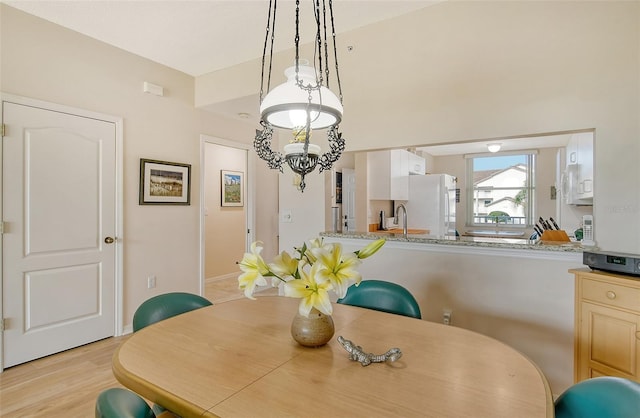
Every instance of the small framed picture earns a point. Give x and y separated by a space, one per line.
232 188
164 183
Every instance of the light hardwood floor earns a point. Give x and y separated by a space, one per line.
67 384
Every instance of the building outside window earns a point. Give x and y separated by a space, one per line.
502 191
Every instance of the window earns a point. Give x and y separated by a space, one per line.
502 189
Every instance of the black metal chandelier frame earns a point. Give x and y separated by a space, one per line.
303 162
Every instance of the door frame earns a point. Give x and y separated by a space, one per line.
250 195
117 121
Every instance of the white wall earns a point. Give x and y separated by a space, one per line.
266 201
47 62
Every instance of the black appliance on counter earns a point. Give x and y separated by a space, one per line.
614 262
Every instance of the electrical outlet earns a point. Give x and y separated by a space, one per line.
446 317
151 282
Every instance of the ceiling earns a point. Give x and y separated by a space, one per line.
506 144
198 37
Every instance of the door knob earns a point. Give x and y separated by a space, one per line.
109 240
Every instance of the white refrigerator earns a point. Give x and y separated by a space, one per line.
432 204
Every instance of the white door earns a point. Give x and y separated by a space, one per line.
59 213
349 199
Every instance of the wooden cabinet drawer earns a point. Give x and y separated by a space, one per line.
611 294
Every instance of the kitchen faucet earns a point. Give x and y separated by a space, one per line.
404 218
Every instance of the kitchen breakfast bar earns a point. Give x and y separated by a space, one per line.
514 290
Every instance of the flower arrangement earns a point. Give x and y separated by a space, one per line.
316 269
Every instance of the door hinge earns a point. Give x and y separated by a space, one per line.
3 324
1 227
3 130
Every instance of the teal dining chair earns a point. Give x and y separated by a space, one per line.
121 403
165 306
600 397
382 296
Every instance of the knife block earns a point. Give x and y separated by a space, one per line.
557 236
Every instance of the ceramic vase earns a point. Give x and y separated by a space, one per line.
314 331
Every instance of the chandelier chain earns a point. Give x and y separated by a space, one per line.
273 34
296 41
319 76
271 29
319 81
335 51
326 44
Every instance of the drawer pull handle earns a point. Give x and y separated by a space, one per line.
611 294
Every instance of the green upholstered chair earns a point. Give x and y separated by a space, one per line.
600 397
162 307
382 296
121 403
165 306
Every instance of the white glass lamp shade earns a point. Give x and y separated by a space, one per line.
285 105
495 147
298 148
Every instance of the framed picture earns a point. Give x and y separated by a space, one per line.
164 183
232 188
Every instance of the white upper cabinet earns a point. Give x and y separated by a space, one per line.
417 164
388 173
578 181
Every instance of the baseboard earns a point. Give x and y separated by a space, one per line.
223 277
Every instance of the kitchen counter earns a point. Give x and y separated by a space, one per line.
398 231
464 241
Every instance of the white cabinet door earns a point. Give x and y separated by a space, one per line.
417 164
578 182
399 175
379 175
388 175
585 162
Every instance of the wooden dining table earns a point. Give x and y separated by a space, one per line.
238 359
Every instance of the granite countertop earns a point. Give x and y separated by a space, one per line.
511 243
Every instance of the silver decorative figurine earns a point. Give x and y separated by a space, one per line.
357 354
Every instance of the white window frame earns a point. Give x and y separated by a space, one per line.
530 187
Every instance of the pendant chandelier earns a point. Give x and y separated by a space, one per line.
304 102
